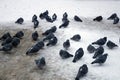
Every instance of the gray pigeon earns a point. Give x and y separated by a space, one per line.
76 37
78 55
101 59
99 51
39 45
112 17
19 20
7 47
76 18
111 44
66 44
83 70
100 41
40 63
64 54
91 49
98 18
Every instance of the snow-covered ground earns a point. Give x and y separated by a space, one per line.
90 31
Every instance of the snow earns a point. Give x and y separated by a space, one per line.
90 31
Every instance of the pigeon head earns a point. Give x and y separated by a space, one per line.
67 40
106 54
84 65
105 38
80 49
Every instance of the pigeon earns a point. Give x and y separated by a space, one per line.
100 41
99 51
51 30
7 41
49 36
83 70
7 47
19 34
15 41
36 23
64 24
112 17
48 19
66 44
116 20
19 20
76 37
111 44
40 63
47 32
64 54
101 59
52 41
41 16
34 18
54 17
98 18
65 15
39 45
35 36
5 36
78 54
76 18
44 14
91 49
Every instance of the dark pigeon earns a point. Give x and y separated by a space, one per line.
7 41
76 37
7 47
52 41
48 19
5 36
64 54
101 59
78 55
15 41
19 20
65 16
64 24
51 30
98 18
44 14
35 36
76 18
54 17
19 34
34 18
100 41
36 23
40 63
83 70
39 45
41 16
116 20
112 17
91 49
66 44
111 44
49 36
99 51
